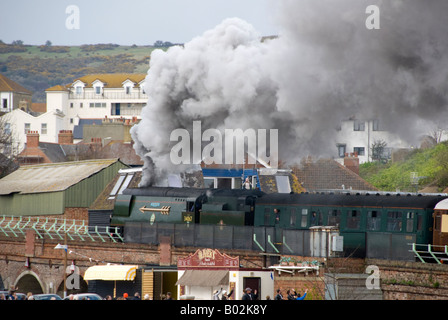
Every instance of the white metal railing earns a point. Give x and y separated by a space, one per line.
109 95
56 228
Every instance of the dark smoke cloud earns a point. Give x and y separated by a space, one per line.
325 66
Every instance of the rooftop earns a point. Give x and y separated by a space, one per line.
110 80
51 177
7 85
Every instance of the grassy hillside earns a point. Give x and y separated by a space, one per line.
40 67
431 165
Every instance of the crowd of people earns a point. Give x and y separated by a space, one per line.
221 294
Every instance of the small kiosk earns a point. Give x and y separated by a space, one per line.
206 271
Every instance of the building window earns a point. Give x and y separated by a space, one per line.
5 103
128 90
78 90
97 105
71 120
98 90
359 150
80 105
283 185
27 127
341 150
71 105
359 125
43 128
376 125
7 129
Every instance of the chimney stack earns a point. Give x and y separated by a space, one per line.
351 162
32 139
65 137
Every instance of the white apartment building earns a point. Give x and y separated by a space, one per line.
98 96
95 96
358 136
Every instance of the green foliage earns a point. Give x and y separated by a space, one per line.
38 68
431 166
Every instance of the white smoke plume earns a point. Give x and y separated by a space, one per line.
325 66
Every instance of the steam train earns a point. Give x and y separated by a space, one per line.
354 214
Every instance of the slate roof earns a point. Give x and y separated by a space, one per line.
324 174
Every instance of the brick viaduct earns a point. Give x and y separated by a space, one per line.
33 264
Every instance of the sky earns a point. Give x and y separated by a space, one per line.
140 22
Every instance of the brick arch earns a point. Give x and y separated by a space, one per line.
83 286
28 281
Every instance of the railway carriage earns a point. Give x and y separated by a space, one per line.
407 217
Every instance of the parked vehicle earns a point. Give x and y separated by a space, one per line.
49 296
85 296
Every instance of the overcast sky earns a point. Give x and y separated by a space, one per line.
140 22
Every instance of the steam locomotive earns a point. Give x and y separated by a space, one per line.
355 215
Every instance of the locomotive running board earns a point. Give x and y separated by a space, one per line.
163 210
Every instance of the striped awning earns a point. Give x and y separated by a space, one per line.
204 278
111 272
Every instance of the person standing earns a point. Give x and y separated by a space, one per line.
247 294
279 295
302 297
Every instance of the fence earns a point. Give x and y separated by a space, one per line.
264 239
54 228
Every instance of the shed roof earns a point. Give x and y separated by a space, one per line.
51 177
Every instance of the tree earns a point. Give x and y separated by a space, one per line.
17 43
378 148
48 43
8 148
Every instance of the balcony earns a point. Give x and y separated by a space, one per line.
108 96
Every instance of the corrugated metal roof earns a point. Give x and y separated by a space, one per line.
51 177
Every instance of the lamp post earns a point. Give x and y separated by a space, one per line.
64 246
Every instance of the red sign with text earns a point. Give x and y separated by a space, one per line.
208 258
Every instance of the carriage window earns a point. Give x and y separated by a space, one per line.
267 216
304 220
410 221
316 218
292 219
438 222
394 221
353 219
374 220
419 222
334 217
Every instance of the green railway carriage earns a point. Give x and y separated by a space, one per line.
373 224
355 215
